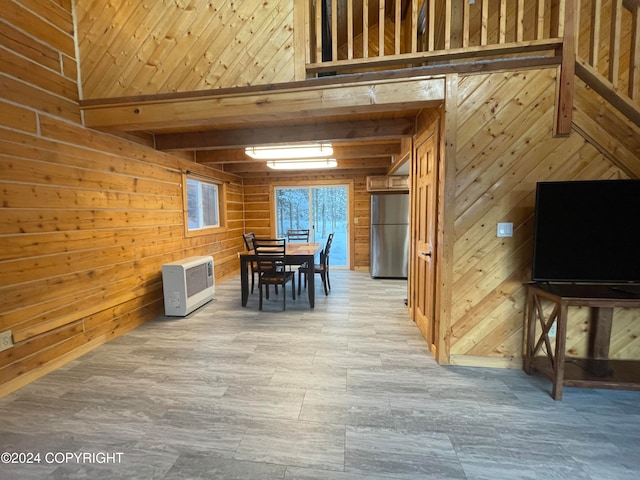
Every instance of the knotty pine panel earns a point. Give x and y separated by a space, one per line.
607 128
87 219
131 49
504 147
17 118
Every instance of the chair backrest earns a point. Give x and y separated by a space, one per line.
324 255
298 235
270 254
248 240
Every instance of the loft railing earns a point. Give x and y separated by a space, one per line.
602 37
608 43
347 35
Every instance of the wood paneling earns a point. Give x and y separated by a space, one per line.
136 47
87 219
505 146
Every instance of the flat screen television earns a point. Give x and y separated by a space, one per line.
587 231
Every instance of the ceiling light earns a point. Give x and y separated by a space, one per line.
309 163
290 151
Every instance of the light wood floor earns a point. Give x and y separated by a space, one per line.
346 391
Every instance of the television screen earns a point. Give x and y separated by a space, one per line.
587 231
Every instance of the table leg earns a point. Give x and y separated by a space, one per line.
244 281
561 345
531 332
311 285
599 340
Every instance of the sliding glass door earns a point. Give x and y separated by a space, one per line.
321 209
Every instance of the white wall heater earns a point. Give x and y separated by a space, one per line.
187 284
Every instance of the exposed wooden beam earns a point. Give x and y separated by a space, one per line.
313 175
366 150
361 163
306 101
320 131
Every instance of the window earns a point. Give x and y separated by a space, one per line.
203 204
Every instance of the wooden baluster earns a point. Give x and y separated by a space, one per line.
302 38
431 12
503 22
334 30
365 28
447 25
381 28
595 33
350 29
614 42
520 21
485 22
398 24
411 29
465 24
556 26
540 24
318 31
634 62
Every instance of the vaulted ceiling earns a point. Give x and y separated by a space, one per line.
130 58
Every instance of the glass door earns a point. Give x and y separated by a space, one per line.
321 209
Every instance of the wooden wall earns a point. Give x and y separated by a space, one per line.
258 203
86 219
136 47
504 145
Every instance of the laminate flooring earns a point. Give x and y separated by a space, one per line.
347 391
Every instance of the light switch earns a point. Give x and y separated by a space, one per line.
505 229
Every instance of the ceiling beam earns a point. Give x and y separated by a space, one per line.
313 132
364 150
309 100
261 166
314 175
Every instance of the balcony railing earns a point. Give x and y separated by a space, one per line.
344 36
608 43
347 35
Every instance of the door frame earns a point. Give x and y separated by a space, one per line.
349 183
428 126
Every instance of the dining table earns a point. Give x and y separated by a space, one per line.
296 253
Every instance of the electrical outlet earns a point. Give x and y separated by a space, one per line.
6 340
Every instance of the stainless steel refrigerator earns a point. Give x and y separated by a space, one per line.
389 235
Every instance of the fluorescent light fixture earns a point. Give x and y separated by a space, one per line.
290 152
306 164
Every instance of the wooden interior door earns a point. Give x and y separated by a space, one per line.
425 215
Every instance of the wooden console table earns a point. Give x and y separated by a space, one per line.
595 371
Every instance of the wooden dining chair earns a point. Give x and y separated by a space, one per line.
321 268
298 235
248 243
272 268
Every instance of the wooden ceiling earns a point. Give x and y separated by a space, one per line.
205 79
367 119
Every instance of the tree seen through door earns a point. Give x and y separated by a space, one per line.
322 210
